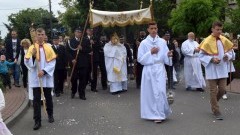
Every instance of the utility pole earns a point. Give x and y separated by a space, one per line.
50 10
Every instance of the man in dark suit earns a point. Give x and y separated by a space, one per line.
175 58
82 63
129 52
60 68
93 42
12 53
138 66
99 61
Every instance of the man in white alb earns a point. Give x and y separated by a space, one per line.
192 65
153 53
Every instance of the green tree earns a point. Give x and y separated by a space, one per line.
22 21
234 23
196 16
77 11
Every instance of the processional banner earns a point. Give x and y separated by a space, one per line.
111 19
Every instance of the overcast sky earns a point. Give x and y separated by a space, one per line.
7 7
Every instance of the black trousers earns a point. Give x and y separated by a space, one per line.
37 103
169 70
59 77
139 74
79 81
6 79
103 75
25 75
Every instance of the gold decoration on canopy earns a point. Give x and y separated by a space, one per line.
122 18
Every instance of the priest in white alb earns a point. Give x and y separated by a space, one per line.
115 60
153 53
192 65
40 60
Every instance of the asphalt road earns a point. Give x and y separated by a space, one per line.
106 114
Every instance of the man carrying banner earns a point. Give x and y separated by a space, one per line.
40 60
80 72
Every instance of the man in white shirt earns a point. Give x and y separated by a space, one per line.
216 51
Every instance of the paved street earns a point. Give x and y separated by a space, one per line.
105 114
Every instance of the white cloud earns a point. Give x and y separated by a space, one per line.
8 7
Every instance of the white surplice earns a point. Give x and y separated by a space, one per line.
115 57
192 65
216 71
154 104
47 80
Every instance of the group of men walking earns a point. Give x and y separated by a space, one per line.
155 59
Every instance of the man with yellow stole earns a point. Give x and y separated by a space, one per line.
216 51
40 60
115 60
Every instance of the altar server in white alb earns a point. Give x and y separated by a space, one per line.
40 60
116 66
216 51
153 53
192 65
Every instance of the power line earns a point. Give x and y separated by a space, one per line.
26 7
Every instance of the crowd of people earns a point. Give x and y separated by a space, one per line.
157 64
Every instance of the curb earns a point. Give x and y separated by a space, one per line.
19 113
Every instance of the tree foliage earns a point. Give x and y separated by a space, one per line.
22 21
234 23
77 11
196 16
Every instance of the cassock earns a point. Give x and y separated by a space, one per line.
154 104
116 66
192 65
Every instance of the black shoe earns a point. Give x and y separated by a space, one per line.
115 93
72 96
94 90
57 94
37 125
218 116
188 89
173 88
10 87
200 89
124 90
82 97
50 119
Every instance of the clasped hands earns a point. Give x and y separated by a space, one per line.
155 50
217 60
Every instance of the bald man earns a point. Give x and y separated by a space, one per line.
192 65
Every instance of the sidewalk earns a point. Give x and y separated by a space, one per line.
235 86
16 103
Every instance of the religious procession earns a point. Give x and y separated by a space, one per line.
98 61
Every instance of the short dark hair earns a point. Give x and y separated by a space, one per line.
14 30
152 23
217 23
40 30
